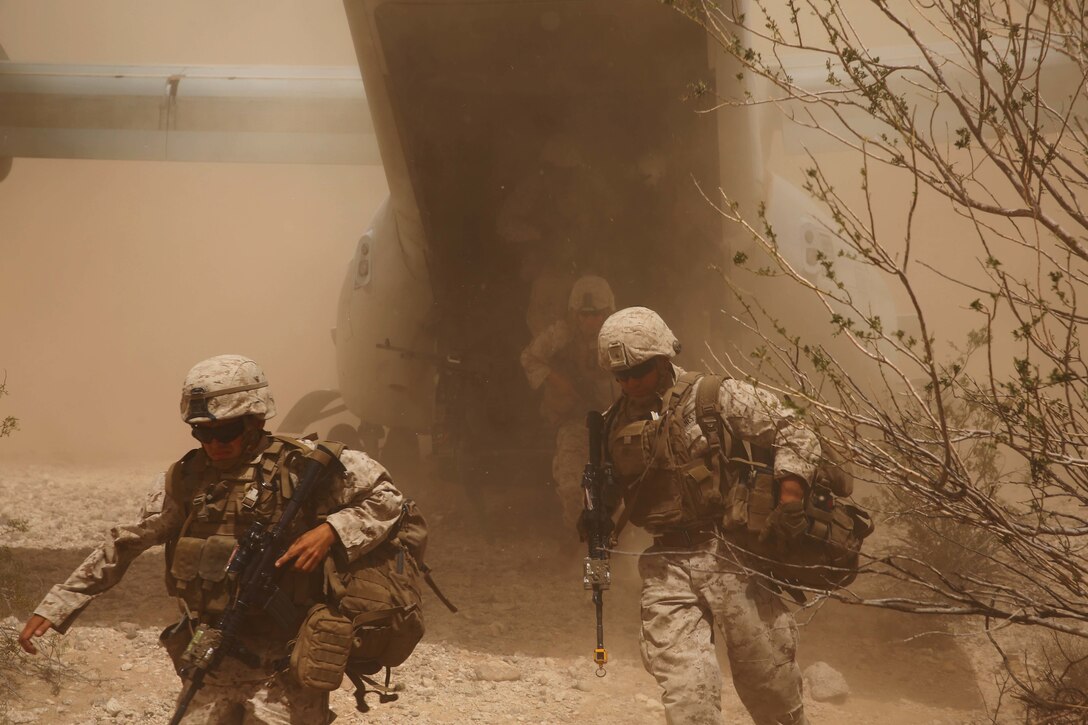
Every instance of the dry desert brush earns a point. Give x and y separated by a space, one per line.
975 416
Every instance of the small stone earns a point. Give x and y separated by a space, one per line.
126 667
650 703
113 707
584 684
129 629
825 683
496 672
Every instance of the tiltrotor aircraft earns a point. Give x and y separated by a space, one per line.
525 142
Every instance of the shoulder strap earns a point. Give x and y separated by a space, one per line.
281 448
707 414
679 389
175 476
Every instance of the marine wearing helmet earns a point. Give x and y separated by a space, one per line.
562 360
666 459
224 387
240 476
226 399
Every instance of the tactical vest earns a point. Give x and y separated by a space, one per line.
219 508
731 487
663 486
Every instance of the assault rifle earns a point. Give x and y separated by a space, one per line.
597 572
254 563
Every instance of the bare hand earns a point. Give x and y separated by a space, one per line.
790 489
310 549
36 626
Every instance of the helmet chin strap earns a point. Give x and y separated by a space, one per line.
667 377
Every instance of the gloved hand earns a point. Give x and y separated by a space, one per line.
786 523
588 520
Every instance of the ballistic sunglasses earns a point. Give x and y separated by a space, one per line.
223 433
639 371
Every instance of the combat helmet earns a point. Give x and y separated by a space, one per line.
225 386
632 336
591 294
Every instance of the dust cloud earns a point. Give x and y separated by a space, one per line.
117 276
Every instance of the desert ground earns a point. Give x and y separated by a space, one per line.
519 650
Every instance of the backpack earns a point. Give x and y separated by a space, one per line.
372 617
826 554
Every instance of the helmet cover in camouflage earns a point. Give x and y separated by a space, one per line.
591 294
632 336
225 386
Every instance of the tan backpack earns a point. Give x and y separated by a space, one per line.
372 617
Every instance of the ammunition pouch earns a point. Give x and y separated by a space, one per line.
749 501
661 494
319 656
825 556
821 551
816 547
199 573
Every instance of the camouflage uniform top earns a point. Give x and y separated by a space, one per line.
364 506
559 349
752 414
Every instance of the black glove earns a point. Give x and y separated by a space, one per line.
588 521
786 523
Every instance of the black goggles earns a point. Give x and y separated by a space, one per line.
639 371
222 433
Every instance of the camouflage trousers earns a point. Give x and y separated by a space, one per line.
568 463
240 695
684 595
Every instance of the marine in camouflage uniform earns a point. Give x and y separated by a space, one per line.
563 360
691 579
200 506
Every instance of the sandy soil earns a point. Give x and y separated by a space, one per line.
520 650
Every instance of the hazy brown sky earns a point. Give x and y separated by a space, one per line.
117 276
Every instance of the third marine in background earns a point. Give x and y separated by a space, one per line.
665 438
563 360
